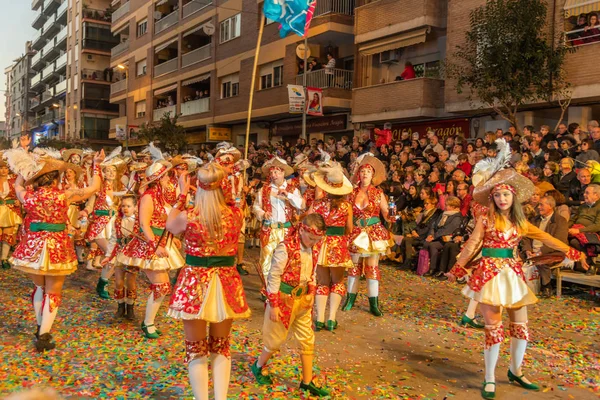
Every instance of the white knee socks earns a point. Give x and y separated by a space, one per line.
107 272
5 250
334 303
37 298
517 353
79 252
372 287
321 302
47 316
198 375
352 283
471 308
491 358
152 307
221 371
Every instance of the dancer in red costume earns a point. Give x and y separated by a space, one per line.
209 292
10 214
46 253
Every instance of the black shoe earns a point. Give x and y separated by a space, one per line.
428 273
443 278
120 310
129 314
438 274
44 343
37 332
241 270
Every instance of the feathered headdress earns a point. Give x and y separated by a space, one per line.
113 158
325 157
154 152
487 167
41 152
22 163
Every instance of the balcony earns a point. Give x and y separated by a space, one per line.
324 7
36 60
339 78
581 37
166 67
61 38
61 13
94 75
48 73
195 56
195 6
117 121
390 100
50 6
61 62
99 105
100 45
51 27
38 41
389 17
166 22
120 48
195 107
50 50
34 102
60 87
97 15
39 20
160 112
35 4
36 81
48 95
118 87
120 12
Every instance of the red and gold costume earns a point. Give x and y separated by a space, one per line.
171 191
211 293
369 236
46 248
10 211
102 216
334 250
139 253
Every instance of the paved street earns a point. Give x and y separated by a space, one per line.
416 351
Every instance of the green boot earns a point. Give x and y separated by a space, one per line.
349 303
488 395
258 375
101 288
374 306
331 325
319 326
5 264
471 322
313 389
519 379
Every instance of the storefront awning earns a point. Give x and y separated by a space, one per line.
166 89
396 42
576 7
195 80
164 45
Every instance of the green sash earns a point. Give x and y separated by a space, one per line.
209 262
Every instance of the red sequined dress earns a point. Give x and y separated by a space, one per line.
334 250
103 215
497 277
205 292
142 254
45 248
369 236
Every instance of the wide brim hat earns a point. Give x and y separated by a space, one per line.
66 155
300 160
137 166
210 176
523 186
324 179
178 160
377 165
156 170
277 163
51 165
232 151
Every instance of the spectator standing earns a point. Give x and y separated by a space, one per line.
409 72
329 69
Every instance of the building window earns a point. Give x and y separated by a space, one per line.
142 27
140 109
230 86
140 67
231 28
271 75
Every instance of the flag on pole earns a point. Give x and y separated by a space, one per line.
293 15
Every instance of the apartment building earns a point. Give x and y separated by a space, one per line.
390 33
17 93
73 77
193 59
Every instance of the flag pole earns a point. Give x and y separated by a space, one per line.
253 81
303 136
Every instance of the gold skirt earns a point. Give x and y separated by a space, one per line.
173 261
9 218
506 290
43 266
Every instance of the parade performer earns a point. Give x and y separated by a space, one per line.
334 256
46 253
497 280
291 289
71 179
10 213
155 252
101 210
125 227
275 206
209 292
370 239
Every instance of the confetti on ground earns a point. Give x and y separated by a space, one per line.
415 351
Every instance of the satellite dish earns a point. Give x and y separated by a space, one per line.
208 29
300 51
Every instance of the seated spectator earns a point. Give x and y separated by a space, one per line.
409 72
578 186
462 192
587 152
550 171
561 208
550 222
464 165
459 176
452 248
414 241
446 192
412 199
537 177
457 150
449 168
444 156
538 154
585 226
566 175
441 232
515 155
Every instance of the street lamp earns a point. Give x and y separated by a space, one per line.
125 68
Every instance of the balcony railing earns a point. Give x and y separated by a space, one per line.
160 112
38 42
61 61
194 56
93 75
50 6
35 4
49 24
39 20
324 7
37 78
582 37
167 21
120 12
48 48
195 106
62 9
34 102
194 6
166 67
328 78
48 71
48 95
100 45
62 35
97 15
120 48
118 87
99 105
60 87
36 59
95 134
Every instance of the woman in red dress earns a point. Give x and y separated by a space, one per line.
370 239
209 291
10 214
334 256
155 251
46 252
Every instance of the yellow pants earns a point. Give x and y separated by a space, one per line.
275 333
266 253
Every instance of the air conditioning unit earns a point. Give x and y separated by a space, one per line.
90 57
389 56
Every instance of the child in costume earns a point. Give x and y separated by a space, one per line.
10 214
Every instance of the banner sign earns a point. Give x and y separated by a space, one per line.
219 134
329 123
442 128
315 101
121 133
296 96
